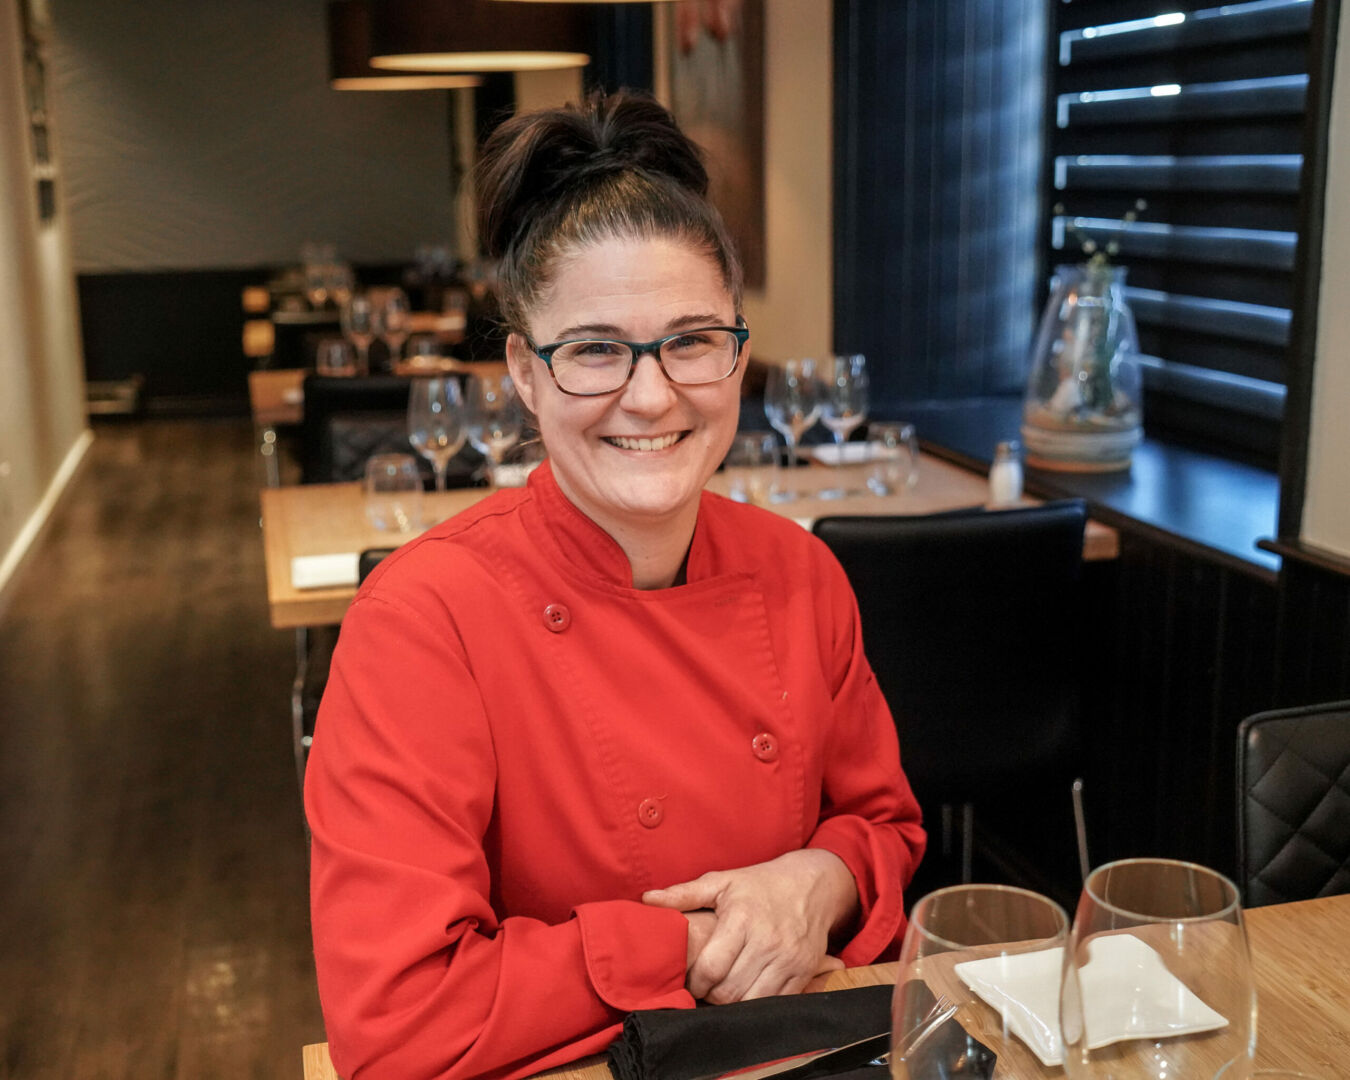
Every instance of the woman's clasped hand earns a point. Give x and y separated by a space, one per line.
764 929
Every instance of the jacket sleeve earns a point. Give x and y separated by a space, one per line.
418 975
869 816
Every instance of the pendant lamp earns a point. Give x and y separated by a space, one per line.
349 51
476 35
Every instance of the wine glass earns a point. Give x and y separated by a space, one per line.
963 948
495 417
845 404
1157 976
393 492
436 422
392 322
316 285
358 326
895 450
792 401
335 356
751 467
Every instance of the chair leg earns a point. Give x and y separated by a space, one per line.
299 742
967 841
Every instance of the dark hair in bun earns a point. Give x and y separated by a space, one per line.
617 166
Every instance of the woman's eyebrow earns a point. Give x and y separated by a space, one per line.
583 330
609 330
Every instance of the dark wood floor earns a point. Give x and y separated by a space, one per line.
153 914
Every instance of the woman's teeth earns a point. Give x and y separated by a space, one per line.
658 443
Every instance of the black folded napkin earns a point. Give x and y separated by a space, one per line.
681 1044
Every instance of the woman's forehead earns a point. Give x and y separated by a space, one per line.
625 278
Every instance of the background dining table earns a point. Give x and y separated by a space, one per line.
326 519
1302 981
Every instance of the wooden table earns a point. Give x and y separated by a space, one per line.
277 396
1303 985
321 519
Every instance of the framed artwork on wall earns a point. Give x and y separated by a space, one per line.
715 71
36 29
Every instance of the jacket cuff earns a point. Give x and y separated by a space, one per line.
879 877
635 954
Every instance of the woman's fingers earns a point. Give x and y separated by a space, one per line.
715 961
687 895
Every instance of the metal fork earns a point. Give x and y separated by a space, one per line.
942 1010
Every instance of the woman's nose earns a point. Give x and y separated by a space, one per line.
648 391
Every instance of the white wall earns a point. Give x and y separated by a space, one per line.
205 135
1326 508
793 314
42 425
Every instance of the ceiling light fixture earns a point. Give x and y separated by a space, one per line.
349 51
476 35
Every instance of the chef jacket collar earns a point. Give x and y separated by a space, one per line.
583 548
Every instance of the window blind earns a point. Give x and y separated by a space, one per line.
1199 110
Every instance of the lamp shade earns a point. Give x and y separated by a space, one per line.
476 35
349 51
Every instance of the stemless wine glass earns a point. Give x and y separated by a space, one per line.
894 449
436 422
845 404
1157 976
334 356
792 401
393 492
392 322
978 981
495 416
358 325
751 467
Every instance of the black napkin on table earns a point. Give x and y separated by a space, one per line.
680 1044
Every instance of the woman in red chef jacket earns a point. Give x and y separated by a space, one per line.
606 742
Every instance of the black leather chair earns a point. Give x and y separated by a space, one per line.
971 623
1293 784
314 660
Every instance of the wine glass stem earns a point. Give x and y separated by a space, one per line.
363 351
441 467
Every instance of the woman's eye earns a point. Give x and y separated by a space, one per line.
597 349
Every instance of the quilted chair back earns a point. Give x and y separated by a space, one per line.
1293 781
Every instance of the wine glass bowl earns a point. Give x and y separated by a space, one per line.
495 417
393 322
436 426
792 401
357 320
960 942
844 404
1157 980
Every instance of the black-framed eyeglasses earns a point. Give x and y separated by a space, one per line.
589 367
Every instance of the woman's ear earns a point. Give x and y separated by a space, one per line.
520 362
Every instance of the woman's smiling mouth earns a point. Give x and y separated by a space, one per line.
658 442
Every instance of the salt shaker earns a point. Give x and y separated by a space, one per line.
1005 475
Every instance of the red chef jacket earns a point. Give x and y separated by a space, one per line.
515 743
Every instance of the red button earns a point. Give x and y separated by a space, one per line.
557 618
650 813
765 746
